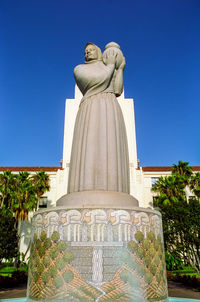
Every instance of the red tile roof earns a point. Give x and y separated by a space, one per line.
52 169
47 169
165 168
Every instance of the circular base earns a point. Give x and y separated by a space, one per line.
98 199
92 249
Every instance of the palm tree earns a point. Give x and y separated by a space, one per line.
42 183
170 189
7 187
24 197
20 192
183 170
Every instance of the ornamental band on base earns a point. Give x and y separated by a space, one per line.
97 255
97 244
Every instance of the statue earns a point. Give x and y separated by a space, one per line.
96 227
99 156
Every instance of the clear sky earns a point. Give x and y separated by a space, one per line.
43 40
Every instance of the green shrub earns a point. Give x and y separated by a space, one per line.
157 260
54 253
160 254
47 243
139 236
60 264
58 281
140 253
40 268
35 276
33 253
147 260
35 238
53 271
146 244
158 278
142 270
55 236
159 238
36 261
68 257
152 252
148 277
163 264
156 245
68 276
43 236
132 246
38 244
41 251
153 269
8 234
30 263
151 236
46 261
61 246
45 277
173 261
161 273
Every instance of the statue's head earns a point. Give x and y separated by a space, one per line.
92 52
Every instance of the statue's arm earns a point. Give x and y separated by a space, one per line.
118 82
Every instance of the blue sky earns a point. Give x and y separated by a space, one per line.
43 40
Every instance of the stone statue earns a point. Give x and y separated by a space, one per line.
96 225
99 156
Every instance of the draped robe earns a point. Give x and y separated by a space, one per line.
99 156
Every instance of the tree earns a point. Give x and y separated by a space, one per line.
25 197
181 217
7 187
182 169
20 192
171 189
8 235
41 182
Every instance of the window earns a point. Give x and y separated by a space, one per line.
153 180
42 203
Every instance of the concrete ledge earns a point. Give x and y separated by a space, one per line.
98 199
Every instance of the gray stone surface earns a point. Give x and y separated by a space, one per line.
99 156
100 198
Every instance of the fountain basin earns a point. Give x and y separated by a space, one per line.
97 254
170 300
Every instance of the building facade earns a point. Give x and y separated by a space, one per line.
142 179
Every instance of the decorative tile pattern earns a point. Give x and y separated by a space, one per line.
97 255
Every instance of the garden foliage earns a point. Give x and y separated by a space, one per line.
8 235
181 215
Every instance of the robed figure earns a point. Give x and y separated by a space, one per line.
99 156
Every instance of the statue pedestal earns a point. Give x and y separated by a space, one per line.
97 253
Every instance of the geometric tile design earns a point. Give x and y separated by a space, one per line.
97 255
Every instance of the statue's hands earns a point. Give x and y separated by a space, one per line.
110 57
123 64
